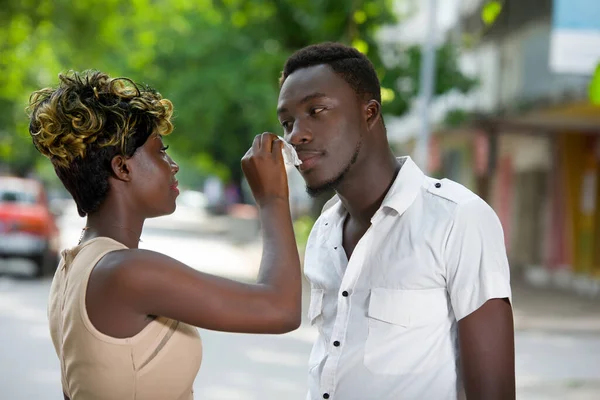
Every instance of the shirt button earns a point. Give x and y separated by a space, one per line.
345 293
325 395
438 185
336 343
335 248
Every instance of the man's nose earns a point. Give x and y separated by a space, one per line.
300 134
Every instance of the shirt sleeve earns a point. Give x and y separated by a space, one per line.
477 267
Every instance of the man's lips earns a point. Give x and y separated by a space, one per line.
305 155
175 185
308 158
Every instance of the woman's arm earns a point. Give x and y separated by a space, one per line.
151 283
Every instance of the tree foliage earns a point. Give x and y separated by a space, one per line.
217 60
595 87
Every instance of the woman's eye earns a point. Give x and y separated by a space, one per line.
285 124
317 110
165 148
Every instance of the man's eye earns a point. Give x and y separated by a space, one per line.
317 110
285 124
165 148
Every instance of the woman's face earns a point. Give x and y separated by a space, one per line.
153 178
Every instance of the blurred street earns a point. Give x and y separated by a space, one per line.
557 343
234 366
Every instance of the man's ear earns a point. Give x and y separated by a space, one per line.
373 113
120 168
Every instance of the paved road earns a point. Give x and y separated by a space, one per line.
253 367
240 367
235 367
563 366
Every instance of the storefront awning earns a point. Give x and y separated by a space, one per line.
578 118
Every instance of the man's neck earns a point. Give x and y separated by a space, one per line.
362 192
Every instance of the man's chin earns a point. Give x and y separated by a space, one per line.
328 185
315 192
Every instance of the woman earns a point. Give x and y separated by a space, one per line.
123 319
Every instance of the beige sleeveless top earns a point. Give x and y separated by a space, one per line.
160 362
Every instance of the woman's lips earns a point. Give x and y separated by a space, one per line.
174 187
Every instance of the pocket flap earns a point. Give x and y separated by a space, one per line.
387 305
408 307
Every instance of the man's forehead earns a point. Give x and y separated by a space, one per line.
306 81
314 75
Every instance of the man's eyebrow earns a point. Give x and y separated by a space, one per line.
304 100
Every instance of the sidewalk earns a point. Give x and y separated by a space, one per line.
566 325
189 225
552 310
184 221
560 391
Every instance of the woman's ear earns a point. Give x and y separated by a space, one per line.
120 168
373 112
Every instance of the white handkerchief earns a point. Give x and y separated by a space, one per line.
290 157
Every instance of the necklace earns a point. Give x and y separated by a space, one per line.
115 226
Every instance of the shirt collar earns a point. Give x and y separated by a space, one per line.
406 186
401 195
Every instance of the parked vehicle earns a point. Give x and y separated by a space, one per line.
28 228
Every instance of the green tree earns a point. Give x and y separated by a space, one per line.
218 61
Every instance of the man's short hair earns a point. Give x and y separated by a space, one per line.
350 64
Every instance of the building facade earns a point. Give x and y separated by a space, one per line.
531 146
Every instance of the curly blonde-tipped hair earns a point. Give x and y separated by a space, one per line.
86 121
92 109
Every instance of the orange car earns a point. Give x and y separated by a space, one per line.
27 226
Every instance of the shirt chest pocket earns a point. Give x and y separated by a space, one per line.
409 330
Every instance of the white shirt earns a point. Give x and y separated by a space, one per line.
387 318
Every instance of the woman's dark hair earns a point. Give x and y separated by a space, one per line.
86 121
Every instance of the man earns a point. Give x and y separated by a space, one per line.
409 277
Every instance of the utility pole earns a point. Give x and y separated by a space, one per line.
427 84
